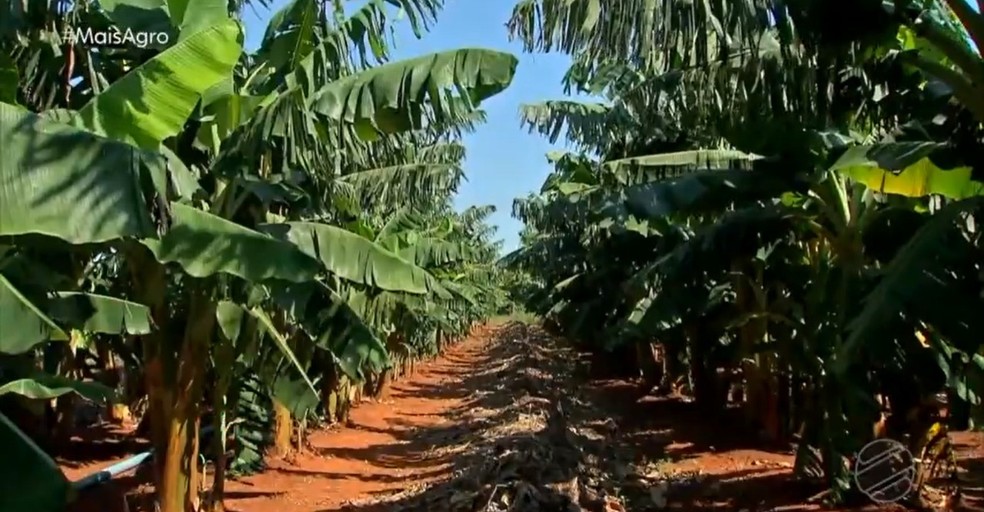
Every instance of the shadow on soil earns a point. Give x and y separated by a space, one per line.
535 433
540 436
93 449
98 443
972 479
521 438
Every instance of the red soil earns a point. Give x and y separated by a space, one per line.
384 450
376 453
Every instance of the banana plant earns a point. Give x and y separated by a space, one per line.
782 239
203 242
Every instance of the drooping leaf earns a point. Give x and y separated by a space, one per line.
330 319
396 184
429 252
23 324
922 281
389 97
184 180
59 181
891 156
904 168
204 245
44 387
230 318
920 179
704 191
352 341
100 313
687 160
266 323
350 256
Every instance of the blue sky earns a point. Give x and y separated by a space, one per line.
503 160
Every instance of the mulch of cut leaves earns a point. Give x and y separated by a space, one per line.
537 436
529 440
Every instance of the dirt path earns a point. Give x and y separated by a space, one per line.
384 448
508 420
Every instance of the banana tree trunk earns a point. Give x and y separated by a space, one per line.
761 387
648 357
674 370
149 281
976 422
283 426
383 381
64 406
702 373
329 394
224 362
217 498
180 481
379 384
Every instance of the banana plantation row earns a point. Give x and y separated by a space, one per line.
777 204
193 231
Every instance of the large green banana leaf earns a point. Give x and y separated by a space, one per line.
464 291
388 98
23 324
351 340
204 245
355 258
153 102
335 325
45 387
904 168
266 323
430 252
923 281
100 313
29 481
680 162
60 181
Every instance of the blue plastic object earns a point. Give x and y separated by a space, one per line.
105 475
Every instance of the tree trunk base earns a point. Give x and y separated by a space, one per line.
282 431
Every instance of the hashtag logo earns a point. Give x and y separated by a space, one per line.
115 37
68 35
